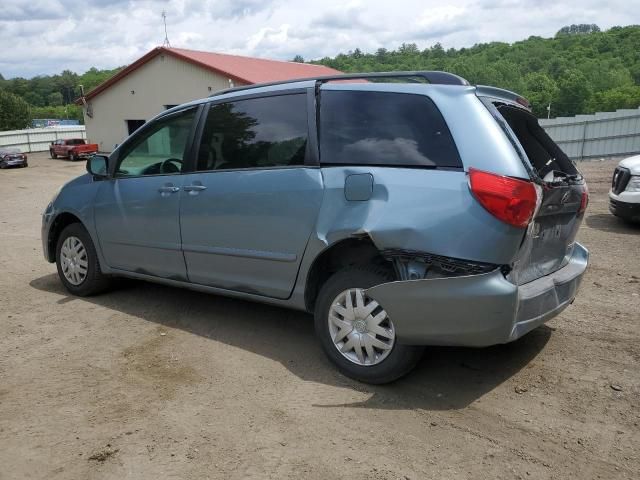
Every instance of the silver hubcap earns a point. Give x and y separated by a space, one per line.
360 328
73 260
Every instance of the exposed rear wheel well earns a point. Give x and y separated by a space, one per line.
345 253
60 222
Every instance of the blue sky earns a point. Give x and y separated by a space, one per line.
46 36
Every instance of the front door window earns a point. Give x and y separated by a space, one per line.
159 149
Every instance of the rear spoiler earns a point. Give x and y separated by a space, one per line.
501 94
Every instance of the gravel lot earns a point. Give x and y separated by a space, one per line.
149 382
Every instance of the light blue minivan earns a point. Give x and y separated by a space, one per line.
402 209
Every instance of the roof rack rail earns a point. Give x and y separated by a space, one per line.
432 77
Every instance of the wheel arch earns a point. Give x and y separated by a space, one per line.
351 251
61 221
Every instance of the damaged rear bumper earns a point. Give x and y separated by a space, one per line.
477 310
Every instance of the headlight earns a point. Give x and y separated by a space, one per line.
634 184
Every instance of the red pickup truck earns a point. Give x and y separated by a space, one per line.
72 148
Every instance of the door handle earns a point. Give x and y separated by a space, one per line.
169 189
194 188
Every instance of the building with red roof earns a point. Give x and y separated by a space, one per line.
165 77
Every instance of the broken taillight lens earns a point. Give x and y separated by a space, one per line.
508 199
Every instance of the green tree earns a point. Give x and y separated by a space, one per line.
54 99
541 91
14 112
73 112
577 70
37 91
408 49
32 98
580 29
437 50
298 59
573 93
580 70
381 54
621 97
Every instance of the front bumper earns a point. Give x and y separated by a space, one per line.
14 162
477 310
47 221
629 211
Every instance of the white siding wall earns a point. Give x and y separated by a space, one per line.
164 80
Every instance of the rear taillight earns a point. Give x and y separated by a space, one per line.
509 199
584 200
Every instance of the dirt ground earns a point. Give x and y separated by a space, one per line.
150 382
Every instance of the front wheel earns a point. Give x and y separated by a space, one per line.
73 157
77 262
356 332
53 155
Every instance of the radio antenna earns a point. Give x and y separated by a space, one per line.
166 35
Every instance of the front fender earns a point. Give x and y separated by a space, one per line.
75 198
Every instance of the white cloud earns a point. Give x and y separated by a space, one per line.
47 36
268 37
434 17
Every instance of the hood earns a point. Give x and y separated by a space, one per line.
82 179
632 163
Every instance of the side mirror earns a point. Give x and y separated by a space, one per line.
98 166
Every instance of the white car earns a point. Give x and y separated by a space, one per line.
624 196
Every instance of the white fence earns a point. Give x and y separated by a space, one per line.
39 139
603 134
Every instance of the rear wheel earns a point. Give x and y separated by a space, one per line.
73 157
77 262
53 155
356 332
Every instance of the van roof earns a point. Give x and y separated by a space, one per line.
431 77
405 77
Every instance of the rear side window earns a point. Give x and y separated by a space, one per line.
255 133
381 128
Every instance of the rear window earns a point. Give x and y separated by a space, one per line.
381 128
75 142
543 153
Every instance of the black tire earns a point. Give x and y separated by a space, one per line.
95 281
53 155
397 364
73 157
